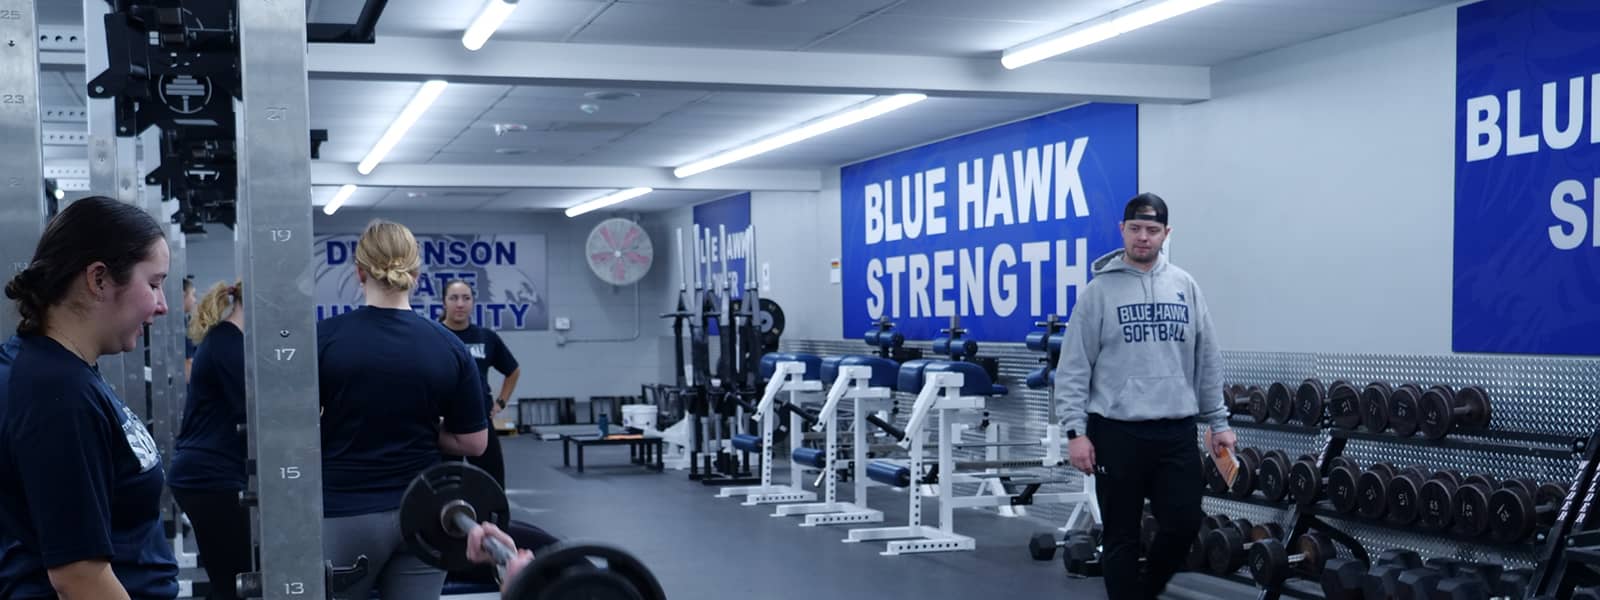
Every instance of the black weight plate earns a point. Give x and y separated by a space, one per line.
1244 482
1372 489
1511 515
1211 522
1436 503
1269 563
572 571
1375 406
1437 417
1309 398
424 501
1214 479
1224 550
1404 494
1343 460
1042 546
1551 493
1403 410
1265 531
1274 477
1476 399
1316 549
1280 402
1342 489
1257 404
1344 404
1471 510
1304 481
771 320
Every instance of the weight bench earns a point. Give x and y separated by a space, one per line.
794 374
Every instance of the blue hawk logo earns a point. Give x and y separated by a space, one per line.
1181 298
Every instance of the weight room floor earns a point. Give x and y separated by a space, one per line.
702 547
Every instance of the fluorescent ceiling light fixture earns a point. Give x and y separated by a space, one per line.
419 104
1112 25
845 118
608 200
494 14
338 199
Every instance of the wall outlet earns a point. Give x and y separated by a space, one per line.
563 323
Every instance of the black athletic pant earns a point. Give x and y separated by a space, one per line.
222 532
1136 460
492 460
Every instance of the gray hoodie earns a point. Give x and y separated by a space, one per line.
1140 346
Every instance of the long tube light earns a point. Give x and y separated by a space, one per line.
419 104
338 199
608 200
493 15
1128 19
845 118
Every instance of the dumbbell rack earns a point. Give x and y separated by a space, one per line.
1573 521
1551 567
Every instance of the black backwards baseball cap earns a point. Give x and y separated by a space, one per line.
1139 203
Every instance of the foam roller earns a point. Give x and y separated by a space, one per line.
811 457
889 473
1039 378
948 347
1036 341
871 337
747 442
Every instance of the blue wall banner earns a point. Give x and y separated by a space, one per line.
1527 231
731 217
998 226
507 273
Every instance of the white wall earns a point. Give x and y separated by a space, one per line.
1313 197
614 345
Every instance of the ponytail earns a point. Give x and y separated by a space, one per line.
211 308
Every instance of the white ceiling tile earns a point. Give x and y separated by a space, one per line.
1058 12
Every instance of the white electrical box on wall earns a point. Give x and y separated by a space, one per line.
563 323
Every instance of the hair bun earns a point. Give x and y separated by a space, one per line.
18 286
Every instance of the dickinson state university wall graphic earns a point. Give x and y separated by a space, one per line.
507 272
998 226
1527 229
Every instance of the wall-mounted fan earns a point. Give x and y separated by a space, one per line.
619 251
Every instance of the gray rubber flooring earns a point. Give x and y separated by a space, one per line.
703 547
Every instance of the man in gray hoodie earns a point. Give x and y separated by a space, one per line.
1139 368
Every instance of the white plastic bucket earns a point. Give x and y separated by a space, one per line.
639 416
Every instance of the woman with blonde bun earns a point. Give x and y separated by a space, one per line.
397 390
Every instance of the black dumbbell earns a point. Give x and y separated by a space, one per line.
1405 494
1443 412
1042 546
1226 546
1471 506
1383 580
1515 510
1512 584
1403 409
1416 583
1436 500
1344 405
1280 402
1082 555
1271 562
1214 481
1342 579
1196 560
1306 482
1309 399
1372 490
1273 477
1342 487
1244 483
1246 400
1375 406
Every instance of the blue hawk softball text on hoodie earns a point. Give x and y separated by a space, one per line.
1140 346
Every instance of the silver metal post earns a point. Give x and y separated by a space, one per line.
274 256
105 152
683 268
22 207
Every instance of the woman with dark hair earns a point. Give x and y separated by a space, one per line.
208 468
487 351
80 477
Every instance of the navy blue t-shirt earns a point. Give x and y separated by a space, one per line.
488 351
80 477
210 448
386 377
